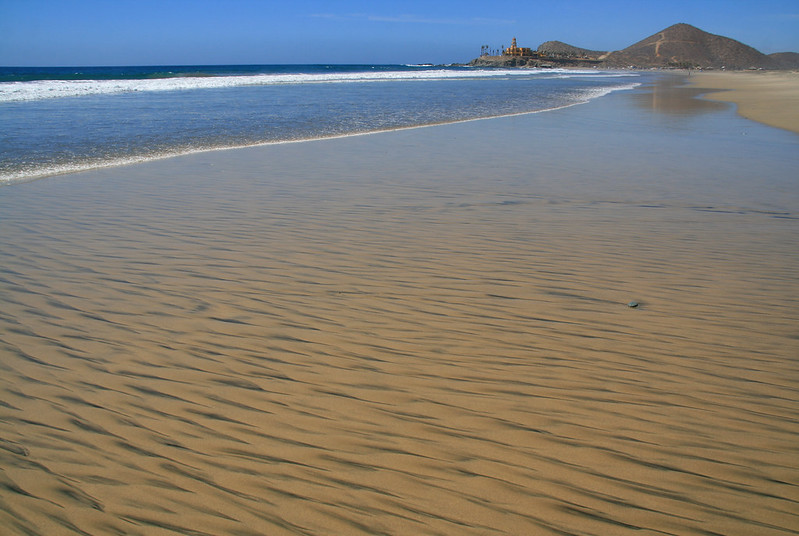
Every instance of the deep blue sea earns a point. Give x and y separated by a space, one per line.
62 119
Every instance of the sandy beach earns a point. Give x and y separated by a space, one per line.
414 332
771 97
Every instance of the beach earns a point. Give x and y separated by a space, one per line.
771 97
582 321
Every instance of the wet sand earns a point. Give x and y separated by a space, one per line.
771 97
416 332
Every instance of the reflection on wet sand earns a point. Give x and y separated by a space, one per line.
670 95
407 334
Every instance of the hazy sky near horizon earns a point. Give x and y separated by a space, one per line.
163 32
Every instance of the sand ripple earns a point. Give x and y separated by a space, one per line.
283 357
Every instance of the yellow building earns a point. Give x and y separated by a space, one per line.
515 50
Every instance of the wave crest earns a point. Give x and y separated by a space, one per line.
52 89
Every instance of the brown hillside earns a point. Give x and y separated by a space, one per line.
561 49
683 45
785 60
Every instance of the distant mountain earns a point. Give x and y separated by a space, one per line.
683 45
785 60
559 49
678 46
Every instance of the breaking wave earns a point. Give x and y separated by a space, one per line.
53 89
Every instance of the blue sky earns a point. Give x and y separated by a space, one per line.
161 32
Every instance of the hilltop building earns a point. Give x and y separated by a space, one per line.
515 50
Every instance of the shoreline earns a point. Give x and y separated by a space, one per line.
422 332
136 160
768 97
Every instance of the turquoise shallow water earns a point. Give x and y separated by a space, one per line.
61 120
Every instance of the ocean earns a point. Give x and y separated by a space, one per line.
63 119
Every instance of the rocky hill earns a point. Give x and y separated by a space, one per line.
683 45
561 49
678 46
785 60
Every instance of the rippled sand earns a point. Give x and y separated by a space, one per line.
418 332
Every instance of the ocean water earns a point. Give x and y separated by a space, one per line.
60 120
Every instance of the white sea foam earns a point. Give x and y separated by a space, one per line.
51 89
591 94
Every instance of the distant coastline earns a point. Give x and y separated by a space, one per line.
680 46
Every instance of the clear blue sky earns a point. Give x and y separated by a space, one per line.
160 32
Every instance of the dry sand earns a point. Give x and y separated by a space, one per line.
416 332
770 97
